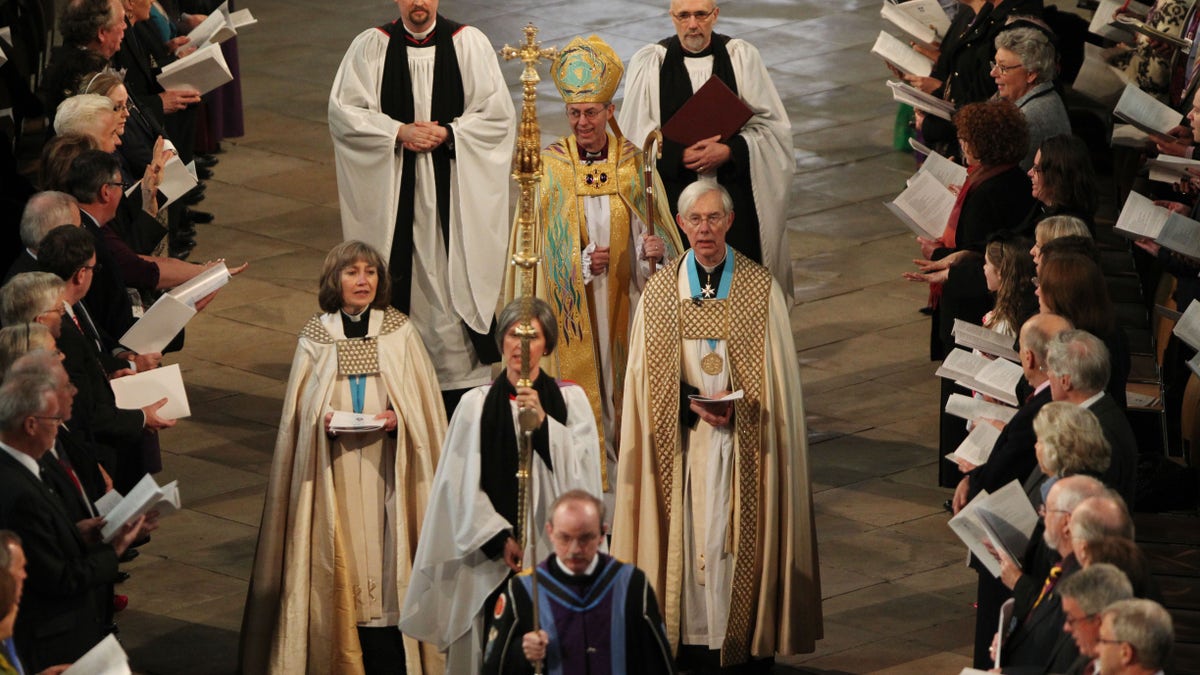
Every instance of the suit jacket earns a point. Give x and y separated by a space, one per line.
63 608
1035 642
1122 471
110 425
1013 456
23 263
107 299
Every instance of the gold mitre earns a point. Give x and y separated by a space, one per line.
587 71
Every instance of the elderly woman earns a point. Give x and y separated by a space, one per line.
471 540
358 441
1063 182
1070 441
1024 68
993 136
1073 286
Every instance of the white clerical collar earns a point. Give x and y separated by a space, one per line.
1091 401
32 253
712 268
590 568
25 460
425 34
355 318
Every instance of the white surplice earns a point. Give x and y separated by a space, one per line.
451 576
462 285
768 136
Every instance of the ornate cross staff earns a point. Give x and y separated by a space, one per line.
527 172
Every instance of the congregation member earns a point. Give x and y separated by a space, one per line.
595 609
1024 68
68 593
43 212
1135 638
681 458
993 136
91 32
1013 457
1009 272
755 165
20 338
1124 554
1077 364
1056 227
598 250
1072 285
357 495
1063 183
1084 596
410 161
471 539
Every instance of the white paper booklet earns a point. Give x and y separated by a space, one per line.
354 423
902 92
202 285
1097 79
977 446
732 396
142 389
1005 519
947 172
241 18
106 658
172 311
986 340
1168 169
924 206
1128 136
901 55
1141 218
204 70
971 408
213 30
996 378
1181 234
1187 328
923 19
1104 22
1006 615
1146 112
145 497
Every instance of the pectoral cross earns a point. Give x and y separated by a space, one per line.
708 290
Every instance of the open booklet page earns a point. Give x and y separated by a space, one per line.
1005 519
145 497
925 20
1168 169
995 378
986 340
1187 328
948 173
932 105
106 658
203 70
1181 234
901 55
1140 217
977 446
924 206
1146 112
971 408
1097 79
1104 21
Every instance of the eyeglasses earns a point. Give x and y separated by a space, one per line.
1042 511
1036 168
1071 621
1036 283
590 114
1106 641
1004 70
124 107
57 418
121 184
92 268
684 17
60 310
712 219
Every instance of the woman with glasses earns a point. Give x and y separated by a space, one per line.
1063 182
1023 69
993 136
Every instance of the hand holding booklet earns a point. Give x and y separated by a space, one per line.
924 206
731 396
203 70
106 658
931 105
1005 520
1146 112
901 55
977 446
995 378
171 312
925 20
144 388
145 497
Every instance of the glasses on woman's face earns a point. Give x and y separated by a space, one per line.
1003 69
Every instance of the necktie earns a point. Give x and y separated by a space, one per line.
10 652
1051 580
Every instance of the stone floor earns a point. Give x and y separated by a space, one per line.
897 596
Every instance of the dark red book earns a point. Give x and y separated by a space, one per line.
712 111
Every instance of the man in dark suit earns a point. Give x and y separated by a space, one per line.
1084 597
1012 458
69 252
44 212
63 606
1077 364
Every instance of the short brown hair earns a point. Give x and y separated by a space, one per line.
329 296
1072 285
996 131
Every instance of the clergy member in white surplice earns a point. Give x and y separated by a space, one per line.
755 164
713 498
423 127
468 543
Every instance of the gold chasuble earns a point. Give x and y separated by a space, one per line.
563 231
774 593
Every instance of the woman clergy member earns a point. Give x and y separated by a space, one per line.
469 542
358 442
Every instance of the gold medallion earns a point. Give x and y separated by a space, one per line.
712 363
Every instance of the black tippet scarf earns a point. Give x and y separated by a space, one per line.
396 100
674 84
498 448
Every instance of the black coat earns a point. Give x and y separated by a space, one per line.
1122 470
